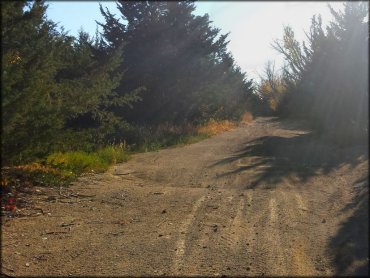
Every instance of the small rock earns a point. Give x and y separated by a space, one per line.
160 235
44 238
323 221
248 268
164 211
51 198
66 224
27 264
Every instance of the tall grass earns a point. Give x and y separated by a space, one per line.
215 127
61 168
80 162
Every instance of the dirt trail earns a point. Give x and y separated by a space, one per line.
264 199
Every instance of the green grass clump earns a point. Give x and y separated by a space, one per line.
60 168
79 162
113 154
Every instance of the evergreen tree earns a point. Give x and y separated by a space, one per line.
30 107
327 80
178 57
88 81
58 92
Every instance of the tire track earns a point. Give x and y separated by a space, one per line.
181 242
296 207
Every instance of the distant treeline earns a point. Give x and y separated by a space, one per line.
158 64
325 81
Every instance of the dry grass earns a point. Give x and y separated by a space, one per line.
33 167
247 118
215 127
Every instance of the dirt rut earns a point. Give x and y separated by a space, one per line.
264 199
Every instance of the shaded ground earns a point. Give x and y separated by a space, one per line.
264 199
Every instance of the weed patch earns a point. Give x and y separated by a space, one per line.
215 127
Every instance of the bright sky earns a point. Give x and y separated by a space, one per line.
252 25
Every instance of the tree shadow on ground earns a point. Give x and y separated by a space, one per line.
351 243
272 158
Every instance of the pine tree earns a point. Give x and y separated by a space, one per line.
88 82
177 56
29 106
58 92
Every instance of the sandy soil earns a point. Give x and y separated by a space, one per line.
264 199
